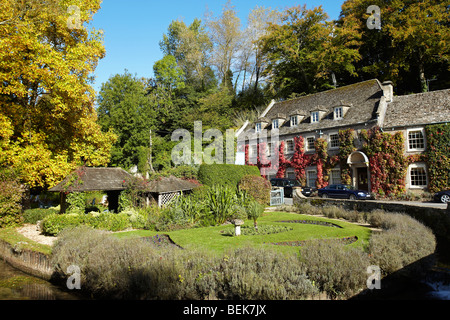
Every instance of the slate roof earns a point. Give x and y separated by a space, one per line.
363 97
169 184
94 179
418 109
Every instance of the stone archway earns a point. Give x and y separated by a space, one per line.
359 164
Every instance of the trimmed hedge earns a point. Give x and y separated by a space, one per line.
53 224
225 174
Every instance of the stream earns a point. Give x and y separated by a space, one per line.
17 285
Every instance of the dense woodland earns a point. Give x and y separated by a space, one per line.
218 70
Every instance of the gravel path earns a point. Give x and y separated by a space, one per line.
30 231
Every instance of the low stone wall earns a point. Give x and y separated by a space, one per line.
370 205
438 220
35 263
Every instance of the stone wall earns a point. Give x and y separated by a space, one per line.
35 263
438 220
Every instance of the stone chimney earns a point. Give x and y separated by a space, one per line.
388 90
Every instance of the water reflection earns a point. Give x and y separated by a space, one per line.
16 285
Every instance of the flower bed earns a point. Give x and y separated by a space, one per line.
320 223
347 240
162 240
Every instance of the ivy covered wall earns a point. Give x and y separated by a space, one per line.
388 160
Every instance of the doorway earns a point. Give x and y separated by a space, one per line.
362 179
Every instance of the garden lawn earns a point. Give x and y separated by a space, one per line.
211 238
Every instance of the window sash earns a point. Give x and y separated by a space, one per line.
294 121
334 141
275 124
310 144
416 140
311 177
418 177
338 113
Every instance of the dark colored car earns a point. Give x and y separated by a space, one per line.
288 185
442 196
343 192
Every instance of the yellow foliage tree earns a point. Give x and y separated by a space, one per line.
48 122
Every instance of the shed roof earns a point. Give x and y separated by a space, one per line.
418 109
169 184
94 179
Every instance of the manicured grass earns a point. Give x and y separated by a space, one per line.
212 239
13 237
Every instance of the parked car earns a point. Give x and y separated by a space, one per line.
442 196
288 185
343 192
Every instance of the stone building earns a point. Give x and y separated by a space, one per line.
361 106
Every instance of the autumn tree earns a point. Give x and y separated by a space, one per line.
225 34
303 51
411 47
47 57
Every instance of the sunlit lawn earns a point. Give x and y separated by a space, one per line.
211 238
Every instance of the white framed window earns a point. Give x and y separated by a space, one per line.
290 173
294 121
258 127
311 177
310 144
417 175
275 124
416 140
253 150
269 149
289 146
315 117
334 141
335 176
338 113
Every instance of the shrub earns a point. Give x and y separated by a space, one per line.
11 192
335 269
76 202
134 269
225 174
262 274
403 242
55 223
32 216
221 202
257 187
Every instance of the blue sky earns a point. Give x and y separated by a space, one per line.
133 28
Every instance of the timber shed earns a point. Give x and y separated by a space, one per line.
165 189
85 179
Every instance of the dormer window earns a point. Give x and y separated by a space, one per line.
318 114
275 124
294 121
338 113
315 117
296 117
341 110
258 127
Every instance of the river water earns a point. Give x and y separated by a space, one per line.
17 285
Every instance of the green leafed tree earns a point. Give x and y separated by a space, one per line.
125 106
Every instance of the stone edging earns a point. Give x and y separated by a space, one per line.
34 263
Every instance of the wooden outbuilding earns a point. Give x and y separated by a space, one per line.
165 189
86 179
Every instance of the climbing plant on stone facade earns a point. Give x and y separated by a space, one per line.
387 161
438 156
